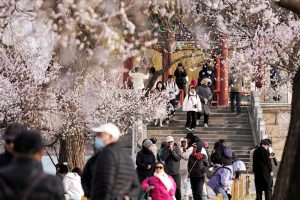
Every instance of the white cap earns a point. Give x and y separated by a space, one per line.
108 128
169 139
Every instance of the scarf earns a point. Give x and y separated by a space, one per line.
199 155
164 178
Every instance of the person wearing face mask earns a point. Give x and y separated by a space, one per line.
191 105
262 169
160 186
87 173
205 95
114 176
145 160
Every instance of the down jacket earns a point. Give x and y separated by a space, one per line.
114 175
72 185
189 102
159 192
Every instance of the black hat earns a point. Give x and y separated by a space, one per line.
12 131
28 142
265 142
179 64
189 135
170 76
268 141
62 168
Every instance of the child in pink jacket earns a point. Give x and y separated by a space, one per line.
160 185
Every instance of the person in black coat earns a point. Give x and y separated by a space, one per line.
197 167
171 155
114 176
24 177
87 174
262 169
145 161
181 75
10 134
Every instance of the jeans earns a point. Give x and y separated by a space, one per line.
235 96
191 119
197 187
222 191
206 117
177 179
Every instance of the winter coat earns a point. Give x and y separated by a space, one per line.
262 167
180 78
172 160
172 90
159 192
72 185
222 177
143 159
114 175
184 160
205 93
87 174
138 79
21 173
197 167
189 102
5 158
236 83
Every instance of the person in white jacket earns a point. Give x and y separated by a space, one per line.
138 79
184 169
173 91
191 105
71 182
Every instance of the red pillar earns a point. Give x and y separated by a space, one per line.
224 73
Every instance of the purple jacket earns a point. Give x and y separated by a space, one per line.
222 178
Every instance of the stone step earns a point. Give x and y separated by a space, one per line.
214 119
225 115
221 109
198 132
199 129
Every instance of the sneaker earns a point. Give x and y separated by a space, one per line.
156 122
167 121
161 126
205 125
187 128
192 129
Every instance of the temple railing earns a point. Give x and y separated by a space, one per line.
256 117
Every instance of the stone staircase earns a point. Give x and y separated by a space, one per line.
223 124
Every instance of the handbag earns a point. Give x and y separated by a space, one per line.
147 194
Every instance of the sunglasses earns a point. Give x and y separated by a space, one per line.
8 141
158 167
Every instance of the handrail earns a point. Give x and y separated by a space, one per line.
257 118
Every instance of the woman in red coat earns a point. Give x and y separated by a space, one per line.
161 186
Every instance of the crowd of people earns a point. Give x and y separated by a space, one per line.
110 174
187 161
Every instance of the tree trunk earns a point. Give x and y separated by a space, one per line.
288 179
72 151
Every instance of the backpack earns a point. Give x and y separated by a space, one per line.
227 152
